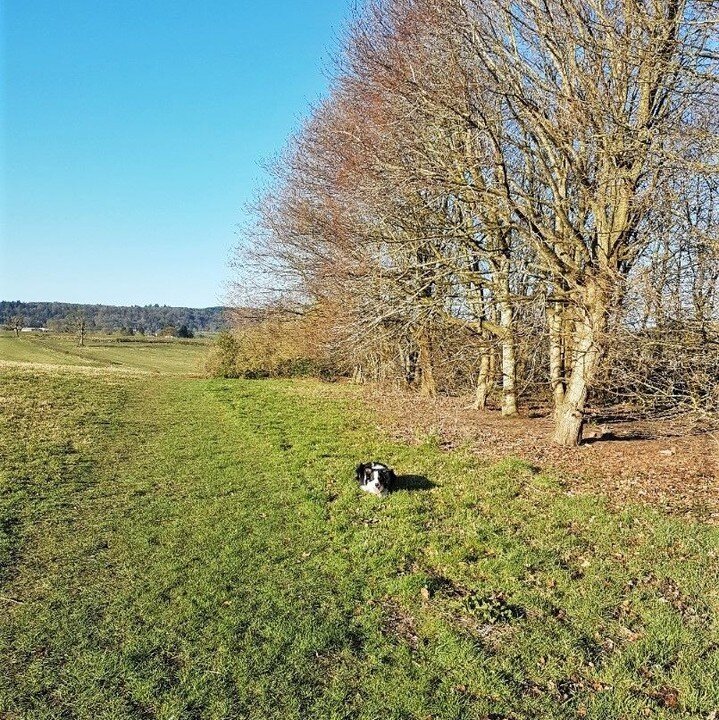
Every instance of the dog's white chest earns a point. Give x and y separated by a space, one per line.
373 490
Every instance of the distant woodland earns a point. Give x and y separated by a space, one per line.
112 318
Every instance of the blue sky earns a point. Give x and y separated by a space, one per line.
134 133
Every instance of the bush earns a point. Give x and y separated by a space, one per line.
222 361
267 349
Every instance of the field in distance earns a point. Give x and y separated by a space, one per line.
135 353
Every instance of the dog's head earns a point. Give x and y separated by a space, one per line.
375 477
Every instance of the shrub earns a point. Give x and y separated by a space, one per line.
268 348
222 360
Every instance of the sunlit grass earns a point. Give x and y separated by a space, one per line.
143 354
180 548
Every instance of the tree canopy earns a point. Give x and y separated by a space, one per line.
521 197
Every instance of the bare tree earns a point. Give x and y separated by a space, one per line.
600 100
507 191
16 323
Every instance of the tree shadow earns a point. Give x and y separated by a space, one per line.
413 482
624 437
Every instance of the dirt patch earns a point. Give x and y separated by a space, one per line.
667 464
399 624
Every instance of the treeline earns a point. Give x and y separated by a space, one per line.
518 197
148 319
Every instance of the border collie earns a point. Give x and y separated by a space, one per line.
375 477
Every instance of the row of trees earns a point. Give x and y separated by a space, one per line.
113 318
77 323
521 194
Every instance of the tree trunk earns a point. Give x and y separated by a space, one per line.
569 418
358 375
556 353
374 368
589 332
509 354
509 378
483 381
409 363
427 385
492 369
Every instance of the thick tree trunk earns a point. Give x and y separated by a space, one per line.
569 416
484 381
588 339
568 427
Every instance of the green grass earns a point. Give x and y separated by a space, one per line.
157 355
182 548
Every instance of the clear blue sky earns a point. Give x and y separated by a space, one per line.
134 132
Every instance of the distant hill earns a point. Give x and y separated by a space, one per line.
111 318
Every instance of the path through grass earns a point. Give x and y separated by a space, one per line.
176 548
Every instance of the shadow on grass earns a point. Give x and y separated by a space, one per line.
413 482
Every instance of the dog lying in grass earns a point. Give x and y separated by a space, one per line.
376 478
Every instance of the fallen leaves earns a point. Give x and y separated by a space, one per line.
659 463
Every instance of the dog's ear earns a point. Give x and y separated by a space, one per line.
359 472
392 478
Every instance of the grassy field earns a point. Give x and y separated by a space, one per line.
157 355
179 548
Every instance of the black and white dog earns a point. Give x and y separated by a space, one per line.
375 477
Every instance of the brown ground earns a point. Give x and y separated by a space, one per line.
670 465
